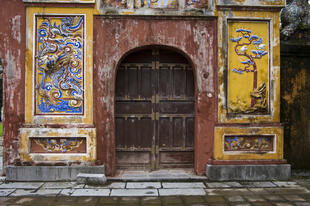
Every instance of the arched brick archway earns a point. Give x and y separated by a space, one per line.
116 37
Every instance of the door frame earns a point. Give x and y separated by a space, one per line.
156 150
197 42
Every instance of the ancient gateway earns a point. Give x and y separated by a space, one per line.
100 86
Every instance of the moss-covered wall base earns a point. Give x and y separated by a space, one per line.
295 102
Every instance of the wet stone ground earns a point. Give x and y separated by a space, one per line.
278 193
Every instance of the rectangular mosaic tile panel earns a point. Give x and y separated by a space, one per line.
58 145
156 3
248 67
59 64
60 1
251 143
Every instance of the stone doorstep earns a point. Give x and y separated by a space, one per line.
92 179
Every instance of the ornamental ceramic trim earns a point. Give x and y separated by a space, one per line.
59 64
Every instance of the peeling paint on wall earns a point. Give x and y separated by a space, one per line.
15 28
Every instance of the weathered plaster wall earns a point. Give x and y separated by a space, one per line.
295 102
12 54
195 37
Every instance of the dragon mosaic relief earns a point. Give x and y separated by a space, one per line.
58 145
248 143
59 64
249 49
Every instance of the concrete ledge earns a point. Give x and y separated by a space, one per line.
49 173
248 172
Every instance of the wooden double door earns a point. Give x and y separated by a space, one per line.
154 114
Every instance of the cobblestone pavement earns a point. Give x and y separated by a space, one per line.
278 193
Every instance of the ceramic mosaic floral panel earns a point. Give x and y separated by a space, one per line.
248 67
252 143
59 65
58 145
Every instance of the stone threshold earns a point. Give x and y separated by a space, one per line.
157 175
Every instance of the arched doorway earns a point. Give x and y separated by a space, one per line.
154 114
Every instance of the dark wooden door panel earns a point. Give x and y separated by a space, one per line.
154 111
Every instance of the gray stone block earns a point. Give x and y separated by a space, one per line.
49 173
6 192
183 192
248 172
90 192
143 185
134 192
21 185
92 179
182 185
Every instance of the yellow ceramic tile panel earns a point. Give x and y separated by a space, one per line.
248 67
247 148
235 94
58 71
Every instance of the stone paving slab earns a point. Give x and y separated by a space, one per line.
223 184
143 185
23 192
21 185
285 191
134 192
66 192
185 192
285 184
260 191
113 185
183 185
90 192
62 185
227 192
6 192
47 192
295 198
235 198
258 184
